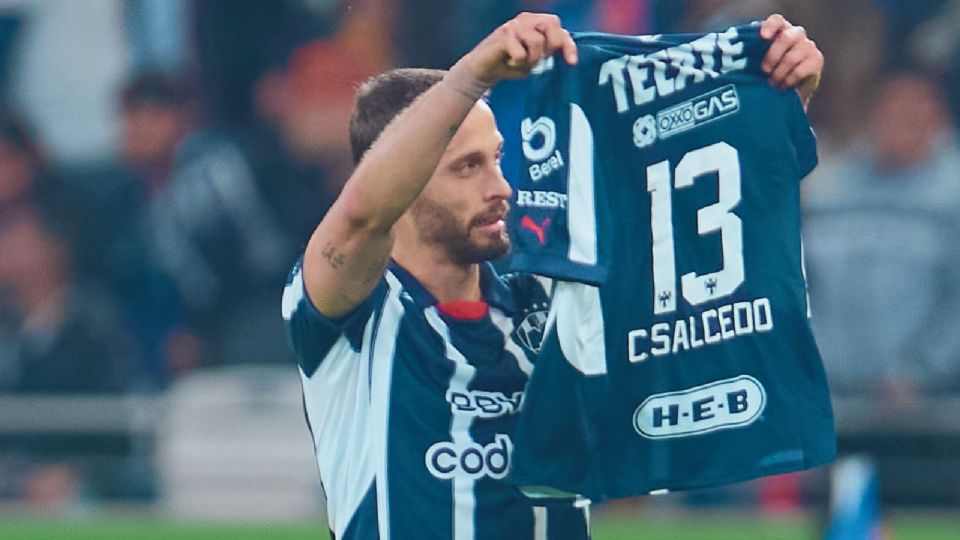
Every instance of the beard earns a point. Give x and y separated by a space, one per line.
438 226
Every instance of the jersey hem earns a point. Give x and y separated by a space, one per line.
558 267
705 482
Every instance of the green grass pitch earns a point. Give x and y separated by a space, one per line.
684 527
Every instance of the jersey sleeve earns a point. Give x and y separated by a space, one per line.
312 334
553 221
804 140
799 131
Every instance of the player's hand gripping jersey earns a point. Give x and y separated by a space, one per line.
662 190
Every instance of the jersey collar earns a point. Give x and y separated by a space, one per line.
494 290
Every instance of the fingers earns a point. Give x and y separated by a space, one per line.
783 42
773 25
541 35
785 69
793 60
792 57
570 53
804 70
534 41
559 39
516 47
516 53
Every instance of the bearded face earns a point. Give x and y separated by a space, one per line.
467 240
461 211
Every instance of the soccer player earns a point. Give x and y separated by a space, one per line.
413 352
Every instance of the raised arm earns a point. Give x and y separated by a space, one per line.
349 250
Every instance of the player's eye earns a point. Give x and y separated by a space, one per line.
469 167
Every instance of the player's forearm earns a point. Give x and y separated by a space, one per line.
397 167
350 248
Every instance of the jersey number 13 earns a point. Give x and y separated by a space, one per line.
719 158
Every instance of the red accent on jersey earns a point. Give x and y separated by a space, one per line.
468 310
539 229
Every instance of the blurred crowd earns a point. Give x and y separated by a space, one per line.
152 238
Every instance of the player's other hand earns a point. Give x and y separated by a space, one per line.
513 49
793 60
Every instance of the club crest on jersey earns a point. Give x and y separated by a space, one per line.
686 115
529 331
725 404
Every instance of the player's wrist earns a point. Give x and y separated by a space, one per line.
807 88
462 80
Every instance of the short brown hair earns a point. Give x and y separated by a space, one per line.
382 98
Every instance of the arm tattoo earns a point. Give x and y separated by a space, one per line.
334 258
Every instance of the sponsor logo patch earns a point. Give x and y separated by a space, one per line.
540 147
539 138
686 115
725 404
445 460
484 404
539 229
541 199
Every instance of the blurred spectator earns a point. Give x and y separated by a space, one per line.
69 339
63 337
155 116
24 173
235 41
299 158
884 270
903 18
302 153
104 205
205 222
321 77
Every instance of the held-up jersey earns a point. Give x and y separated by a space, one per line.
412 407
662 189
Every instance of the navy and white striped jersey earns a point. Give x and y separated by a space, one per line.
412 407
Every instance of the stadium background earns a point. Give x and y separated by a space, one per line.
162 162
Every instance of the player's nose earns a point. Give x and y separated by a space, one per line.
500 188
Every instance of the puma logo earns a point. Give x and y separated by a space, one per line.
528 223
